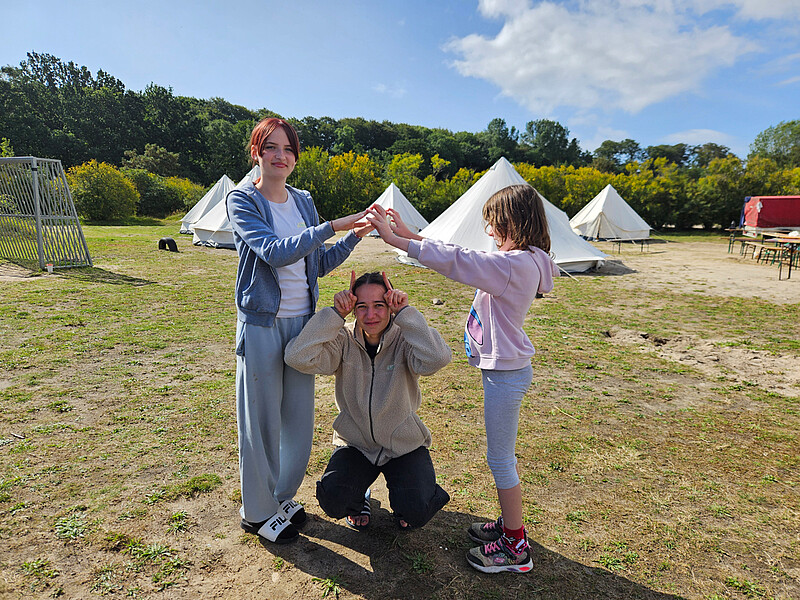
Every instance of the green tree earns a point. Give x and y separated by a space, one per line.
435 196
720 191
677 153
155 159
499 140
101 192
404 171
319 133
345 140
5 147
780 143
548 143
549 181
472 150
340 184
653 189
226 149
157 197
618 153
187 193
582 185
703 155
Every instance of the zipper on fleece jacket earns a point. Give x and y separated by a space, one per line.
371 387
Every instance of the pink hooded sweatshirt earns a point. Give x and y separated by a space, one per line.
507 285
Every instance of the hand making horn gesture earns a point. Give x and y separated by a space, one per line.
345 301
396 299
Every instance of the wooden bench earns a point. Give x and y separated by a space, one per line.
762 252
642 243
742 240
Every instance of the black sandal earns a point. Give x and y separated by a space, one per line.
366 511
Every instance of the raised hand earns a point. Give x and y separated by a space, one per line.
399 227
395 299
376 216
345 301
350 222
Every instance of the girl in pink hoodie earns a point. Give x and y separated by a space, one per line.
507 282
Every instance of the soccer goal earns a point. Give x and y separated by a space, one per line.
38 222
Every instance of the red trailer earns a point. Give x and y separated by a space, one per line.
772 213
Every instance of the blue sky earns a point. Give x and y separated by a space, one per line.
656 71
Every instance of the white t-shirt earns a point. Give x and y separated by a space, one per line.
295 299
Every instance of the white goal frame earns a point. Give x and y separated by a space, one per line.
38 221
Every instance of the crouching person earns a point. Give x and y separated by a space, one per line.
377 362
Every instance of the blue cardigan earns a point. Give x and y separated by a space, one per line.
258 294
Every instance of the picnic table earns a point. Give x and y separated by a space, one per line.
735 237
788 246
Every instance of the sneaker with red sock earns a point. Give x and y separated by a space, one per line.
504 555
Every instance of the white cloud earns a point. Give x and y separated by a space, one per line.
500 8
789 81
767 9
626 54
743 9
698 137
393 91
601 135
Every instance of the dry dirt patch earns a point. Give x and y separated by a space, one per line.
775 372
702 268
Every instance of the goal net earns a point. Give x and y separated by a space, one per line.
38 221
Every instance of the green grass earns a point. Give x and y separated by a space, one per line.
643 475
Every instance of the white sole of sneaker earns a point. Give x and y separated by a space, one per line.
520 568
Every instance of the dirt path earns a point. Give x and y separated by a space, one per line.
703 268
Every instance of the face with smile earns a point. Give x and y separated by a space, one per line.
277 158
371 311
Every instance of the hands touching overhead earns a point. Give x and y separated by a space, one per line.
355 222
390 226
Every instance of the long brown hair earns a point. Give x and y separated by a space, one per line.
517 213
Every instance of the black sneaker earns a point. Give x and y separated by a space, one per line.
483 533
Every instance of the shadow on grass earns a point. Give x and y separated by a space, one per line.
18 269
611 268
96 275
430 562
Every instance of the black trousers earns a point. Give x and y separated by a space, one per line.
414 494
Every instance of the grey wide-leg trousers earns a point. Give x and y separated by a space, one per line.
275 417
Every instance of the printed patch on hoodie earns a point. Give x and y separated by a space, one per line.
474 331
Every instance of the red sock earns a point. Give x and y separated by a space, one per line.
515 539
514 534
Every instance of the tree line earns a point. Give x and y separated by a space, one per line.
165 143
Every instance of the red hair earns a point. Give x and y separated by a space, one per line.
264 129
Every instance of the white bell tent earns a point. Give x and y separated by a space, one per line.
609 217
462 223
392 197
213 197
214 229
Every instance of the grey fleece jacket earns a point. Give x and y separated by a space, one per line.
377 398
